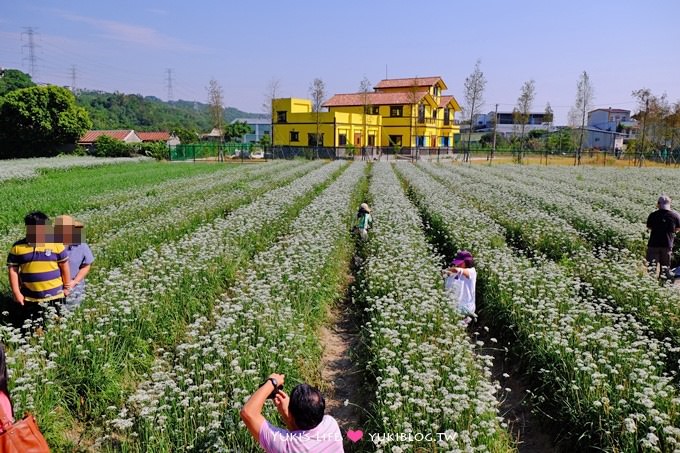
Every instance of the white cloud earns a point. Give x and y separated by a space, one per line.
134 34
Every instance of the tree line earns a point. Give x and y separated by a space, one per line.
658 119
48 120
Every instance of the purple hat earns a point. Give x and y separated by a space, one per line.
462 257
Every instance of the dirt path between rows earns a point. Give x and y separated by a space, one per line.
343 377
533 432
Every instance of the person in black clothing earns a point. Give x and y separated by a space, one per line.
663 224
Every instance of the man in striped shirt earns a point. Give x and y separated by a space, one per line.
38 269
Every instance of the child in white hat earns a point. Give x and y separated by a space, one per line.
364 221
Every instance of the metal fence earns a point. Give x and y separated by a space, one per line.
216 151
356 153
245 151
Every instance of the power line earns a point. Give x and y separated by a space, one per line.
32 57
169 83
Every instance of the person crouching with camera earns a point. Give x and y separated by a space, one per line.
308 429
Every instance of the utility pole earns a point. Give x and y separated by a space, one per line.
32 58
612 137
73 78
168 80
495 122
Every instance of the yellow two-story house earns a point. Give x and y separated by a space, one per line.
399 113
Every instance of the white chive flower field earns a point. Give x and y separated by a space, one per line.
209 277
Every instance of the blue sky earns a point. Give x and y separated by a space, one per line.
127 46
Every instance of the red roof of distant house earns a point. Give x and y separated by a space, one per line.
154 136
91 136
611 110
354 99
408 82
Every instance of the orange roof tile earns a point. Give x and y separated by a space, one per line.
407 82
354 99
159 136
91 136
443 100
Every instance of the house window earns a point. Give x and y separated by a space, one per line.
311 139
445 142
371 140
397 110
421 113
447 116
375 110
435 90
281 116
434 113
294 136
420 140
342 139
395 140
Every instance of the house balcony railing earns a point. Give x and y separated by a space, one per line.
422 120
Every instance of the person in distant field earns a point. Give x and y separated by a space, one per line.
37 269
364 221
80 258
663 224
309 430
5 400
461 283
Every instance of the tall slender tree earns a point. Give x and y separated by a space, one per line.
548 117
584 100
522 112
473 87
673 122
216 103
270 94
317 90
414 95
365 89
655 112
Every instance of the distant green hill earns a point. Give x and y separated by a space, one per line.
133 111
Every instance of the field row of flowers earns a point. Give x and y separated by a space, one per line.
617 204
144 304
630 193
120 228
171 219
602 376
267 322
599 226
28 168
81 188
429 382
614 273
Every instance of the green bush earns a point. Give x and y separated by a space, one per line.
39 120
157 150
78 150
106 146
